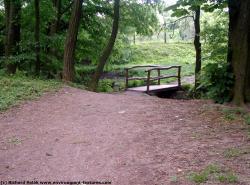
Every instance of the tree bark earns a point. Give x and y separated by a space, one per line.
57 4
240 48
108 49
13 15
70 43
165 32
197 44
37 36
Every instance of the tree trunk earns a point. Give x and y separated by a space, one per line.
55 24
7 18
108 49
70 43
240 48
37 36
13 15
165 32
197 44
134 38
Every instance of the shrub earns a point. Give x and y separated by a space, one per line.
216 82
105 85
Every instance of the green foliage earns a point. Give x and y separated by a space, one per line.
236 113
198 177
247 119
232 114
215 36
19 87
138 17
203 176
214 172
136 83
216 82
164 54
105 85
228 178
235 152
1 34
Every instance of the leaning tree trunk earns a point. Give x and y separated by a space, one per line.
240 49
70 43
197 44
37 37
108 49
12 16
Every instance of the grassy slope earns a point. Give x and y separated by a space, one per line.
165 54
17 88
158 54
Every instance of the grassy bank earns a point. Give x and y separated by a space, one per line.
165 54
17 88
154 53
143 53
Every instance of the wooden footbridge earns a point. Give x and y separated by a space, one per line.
150 88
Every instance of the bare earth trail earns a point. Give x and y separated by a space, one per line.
126 138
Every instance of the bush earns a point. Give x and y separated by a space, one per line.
216 82
105 85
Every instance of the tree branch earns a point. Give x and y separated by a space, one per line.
188 16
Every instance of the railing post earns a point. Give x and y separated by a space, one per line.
159 74
179 76
148 82
126 79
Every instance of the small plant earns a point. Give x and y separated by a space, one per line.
187 87
105 85
232 152
236 113
174 179
228 178
199 178
213 171
235 152
247 119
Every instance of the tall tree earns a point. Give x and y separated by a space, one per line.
70 43
37 35
57 4
239 48
197 43
12 16
184 8
108 49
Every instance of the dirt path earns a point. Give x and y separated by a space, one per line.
128 139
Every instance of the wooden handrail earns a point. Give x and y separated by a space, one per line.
142 66
148 79
163 77
137 78
163 68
